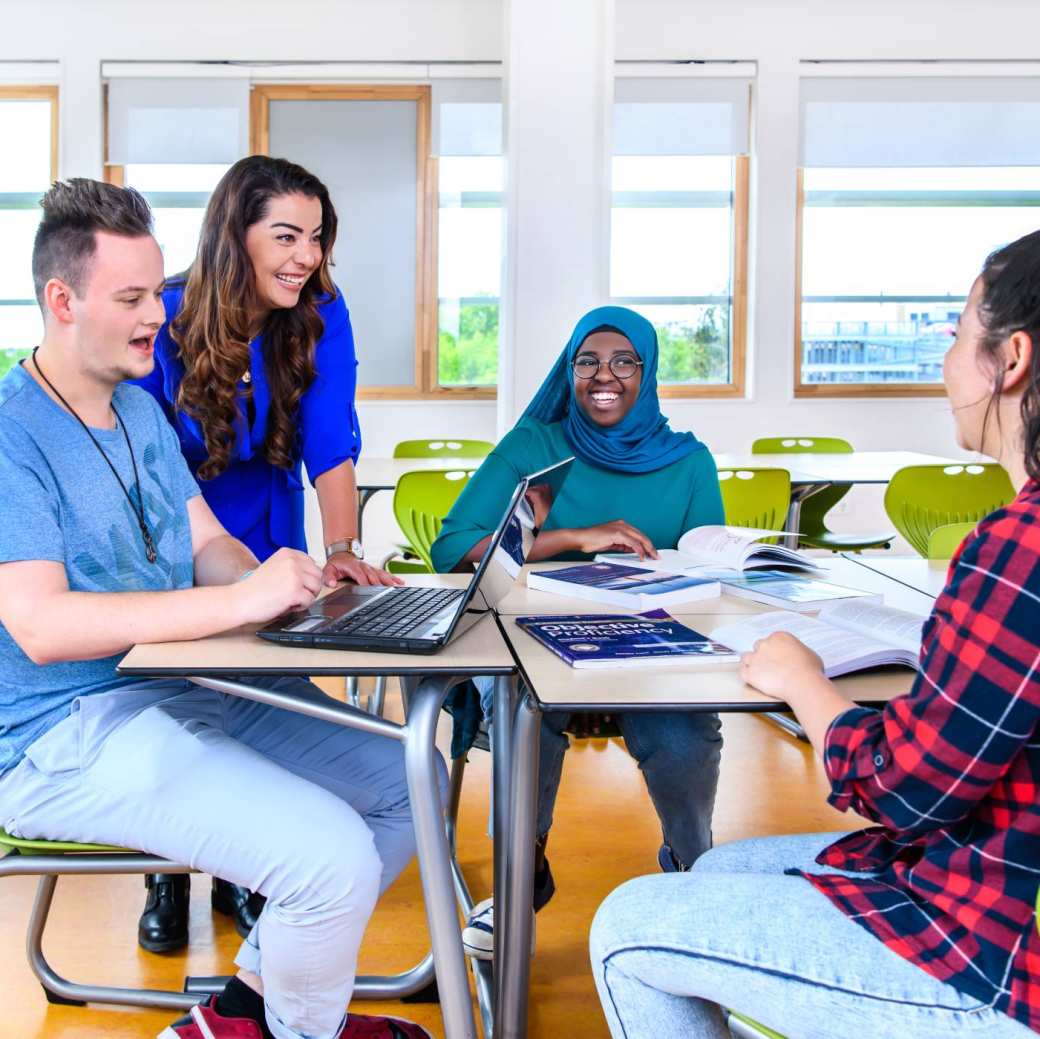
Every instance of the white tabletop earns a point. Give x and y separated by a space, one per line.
480 650
702 684
382 474
927 576
859 467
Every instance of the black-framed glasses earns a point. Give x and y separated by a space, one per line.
587 366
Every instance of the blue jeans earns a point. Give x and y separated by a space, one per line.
668 950
678 754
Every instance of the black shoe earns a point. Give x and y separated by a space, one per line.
240 903
163 926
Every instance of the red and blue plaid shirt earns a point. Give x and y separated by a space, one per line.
951 771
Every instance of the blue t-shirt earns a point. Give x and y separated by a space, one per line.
62 503
259 503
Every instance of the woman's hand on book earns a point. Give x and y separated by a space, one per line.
781 666
616 536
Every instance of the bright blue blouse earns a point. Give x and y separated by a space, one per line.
257 502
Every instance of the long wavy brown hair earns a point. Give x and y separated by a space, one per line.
212 329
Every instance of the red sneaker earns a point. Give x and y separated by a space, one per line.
360 1027
203 1022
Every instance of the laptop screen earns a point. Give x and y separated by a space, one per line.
511 543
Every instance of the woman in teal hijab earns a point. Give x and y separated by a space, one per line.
636 485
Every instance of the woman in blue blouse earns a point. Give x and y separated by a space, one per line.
256 371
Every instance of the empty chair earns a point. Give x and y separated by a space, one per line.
421 501
755 497
945 540
922 497
440 447
812 530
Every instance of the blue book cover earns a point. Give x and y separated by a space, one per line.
620 585
588 641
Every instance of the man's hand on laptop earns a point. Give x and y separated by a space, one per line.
288 580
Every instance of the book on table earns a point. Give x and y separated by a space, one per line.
591 641
849 636
630 587
798 592
720 548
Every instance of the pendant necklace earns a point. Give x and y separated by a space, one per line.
138 510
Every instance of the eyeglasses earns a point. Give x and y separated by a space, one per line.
623 366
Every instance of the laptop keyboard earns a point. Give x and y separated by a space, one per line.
395 614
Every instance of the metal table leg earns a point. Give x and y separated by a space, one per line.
434 858
513 927
505 696
418 736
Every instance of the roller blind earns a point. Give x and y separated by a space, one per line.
663 116
466 118
920 122
177 120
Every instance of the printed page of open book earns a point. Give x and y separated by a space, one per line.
898 628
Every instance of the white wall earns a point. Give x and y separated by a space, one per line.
776 34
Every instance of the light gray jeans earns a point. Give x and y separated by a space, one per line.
313 815
668 950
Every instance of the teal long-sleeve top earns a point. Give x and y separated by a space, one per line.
663 504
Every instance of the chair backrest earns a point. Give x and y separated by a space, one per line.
801 445
920 498
421 501
442 447
756 497
945 540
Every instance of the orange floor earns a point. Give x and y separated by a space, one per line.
770 784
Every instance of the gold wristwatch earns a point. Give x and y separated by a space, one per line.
351 545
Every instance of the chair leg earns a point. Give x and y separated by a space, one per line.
60 990
378 697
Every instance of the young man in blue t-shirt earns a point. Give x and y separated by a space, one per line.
106 542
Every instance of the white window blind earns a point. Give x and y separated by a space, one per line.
675 116
466 118
920 122
165 121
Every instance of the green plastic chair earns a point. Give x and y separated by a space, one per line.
742 1027
421 501
755 497
812 530
922 497
48 860
442 448
945 540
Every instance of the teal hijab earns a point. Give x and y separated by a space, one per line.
642 441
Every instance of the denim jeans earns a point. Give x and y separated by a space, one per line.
678 754
668 950
313 815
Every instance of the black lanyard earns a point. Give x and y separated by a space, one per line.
138 510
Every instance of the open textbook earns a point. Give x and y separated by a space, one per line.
848 636
721 548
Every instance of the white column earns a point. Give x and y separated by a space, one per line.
558 91
772 253
80 124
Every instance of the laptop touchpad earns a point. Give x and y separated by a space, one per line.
345 600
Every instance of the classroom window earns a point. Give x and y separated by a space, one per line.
178 194
906 186
678 252
469 262
28 115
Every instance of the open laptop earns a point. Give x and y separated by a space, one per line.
416 619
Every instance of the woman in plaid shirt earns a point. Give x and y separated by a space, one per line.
924 925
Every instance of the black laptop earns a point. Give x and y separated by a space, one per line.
421 620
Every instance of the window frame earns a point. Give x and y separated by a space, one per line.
424 386
736 387
807 390
37 92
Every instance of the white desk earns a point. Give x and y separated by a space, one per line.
925 576
858 467
226 662
553 685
